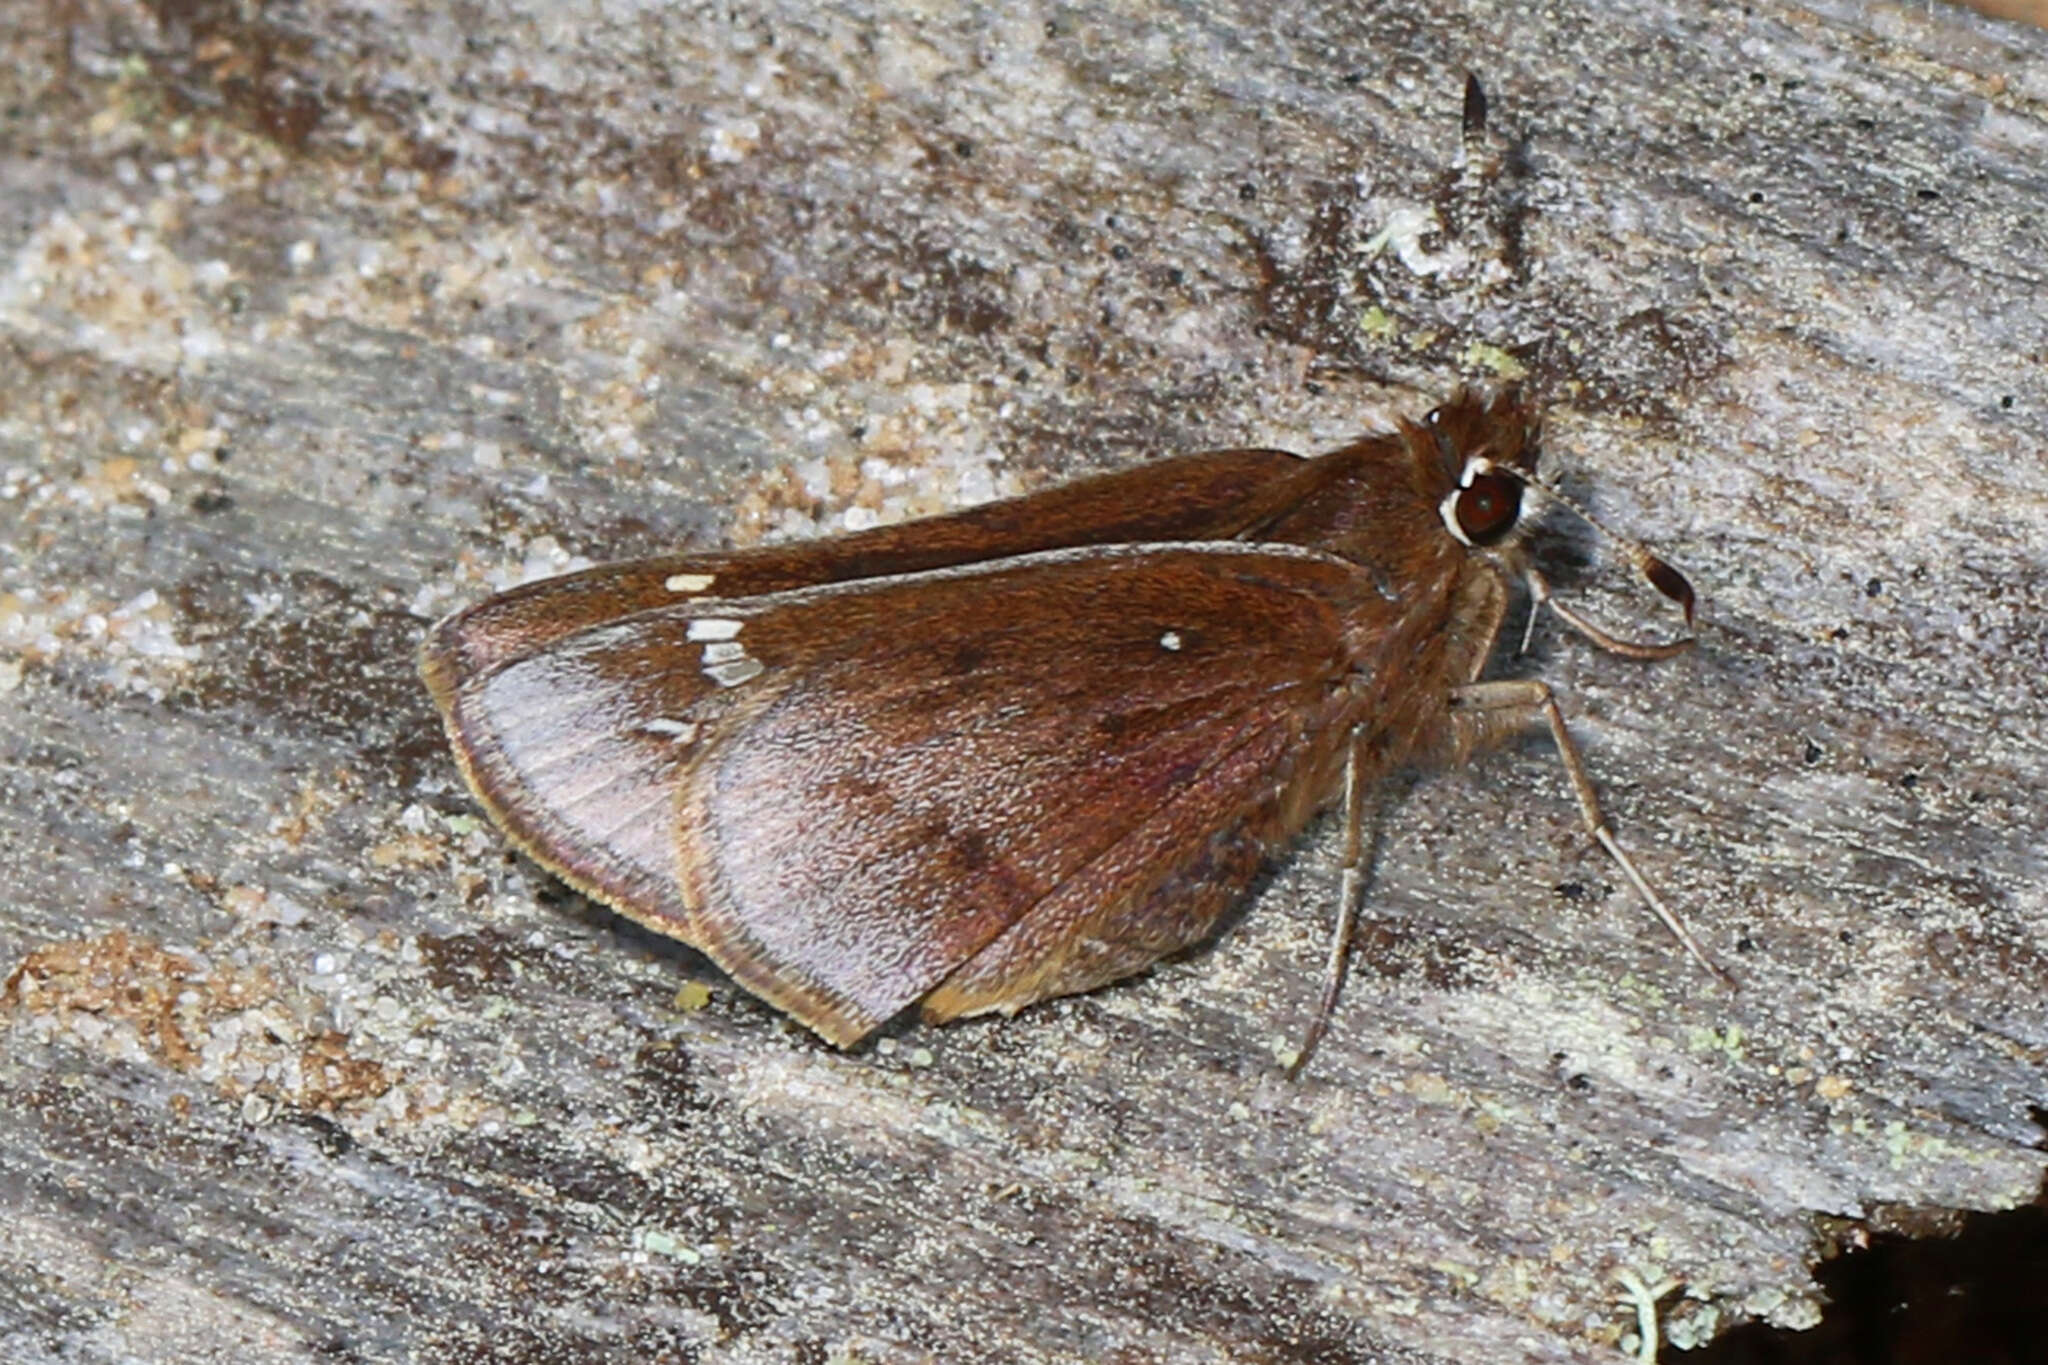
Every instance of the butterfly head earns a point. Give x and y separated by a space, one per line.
1487 451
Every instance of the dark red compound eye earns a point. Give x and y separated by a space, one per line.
1488 508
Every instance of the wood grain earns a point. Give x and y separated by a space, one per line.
318 322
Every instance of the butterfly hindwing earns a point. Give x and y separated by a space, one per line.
907 771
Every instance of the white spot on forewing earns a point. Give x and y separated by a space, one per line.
714 628
681 731
689 582
724 651
733 672
1170 641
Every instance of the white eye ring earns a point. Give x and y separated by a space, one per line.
1448 510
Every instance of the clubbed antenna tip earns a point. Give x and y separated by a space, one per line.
1670 582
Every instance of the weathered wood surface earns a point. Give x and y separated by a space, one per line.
320 320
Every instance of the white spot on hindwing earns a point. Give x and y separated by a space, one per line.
681 731
1170 642
688 582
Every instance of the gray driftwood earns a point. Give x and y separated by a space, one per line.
319 319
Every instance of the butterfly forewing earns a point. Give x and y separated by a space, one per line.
1210 496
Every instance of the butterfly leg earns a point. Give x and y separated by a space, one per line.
1361 807
1485 708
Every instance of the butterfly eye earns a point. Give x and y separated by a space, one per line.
1487 508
